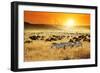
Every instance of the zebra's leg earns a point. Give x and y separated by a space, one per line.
64 46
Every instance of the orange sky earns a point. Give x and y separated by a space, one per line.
53 18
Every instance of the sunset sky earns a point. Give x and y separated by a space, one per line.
56 19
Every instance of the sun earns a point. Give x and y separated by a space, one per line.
70 23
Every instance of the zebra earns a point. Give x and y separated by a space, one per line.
66 44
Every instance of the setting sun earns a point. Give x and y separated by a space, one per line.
70 22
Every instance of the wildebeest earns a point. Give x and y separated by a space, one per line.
34 37
41 38
51 39
86 39
28 41
58 37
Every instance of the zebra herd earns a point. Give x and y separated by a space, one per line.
75 41
66 44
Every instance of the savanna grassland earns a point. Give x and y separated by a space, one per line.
41 46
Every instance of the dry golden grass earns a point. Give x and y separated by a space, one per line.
41 50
